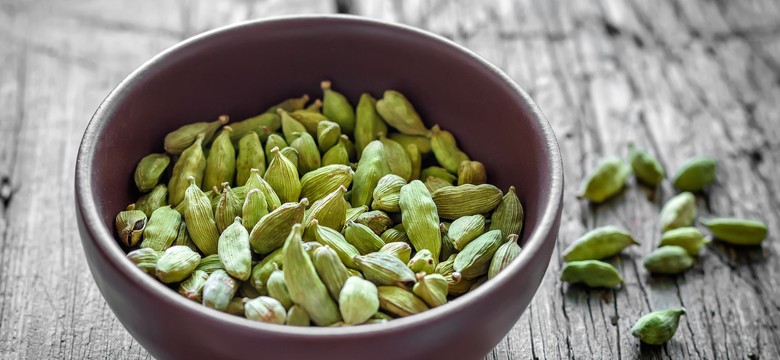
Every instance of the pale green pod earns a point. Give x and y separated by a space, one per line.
228 208
310 247
176 264
319 183
149 170
353 213
192 287
399 113
290 104
422 261
737 231
291 154
474 260
420 217
401 250
432 289
446 150
328 134
337 108
153 200
250 156
331 269
182 138
236 306
399 302
372 167
453 202
337 154
465 229
422 143
192 162
368 124
265 309
358 300
592 273
333 239
291 128
695 174
385 269
351 151
210 263
504 255
130 225
221 161
282 176
670 259
378 221
273 229
434 183
261 125
200 219
218 290
298 316
397 158
472 172
599 243
657 327
234 251
277 288
689 238
456 285
646 167
438 172
162 229
605 181
145 259
263 269
254 208
308 154
255 181
274 141
310 119
508 216
362 238
447 247
387 193
679 211
329 211
416 158
392 235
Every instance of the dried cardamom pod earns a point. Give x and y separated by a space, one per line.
254 208
737 231
329 211
282 175
385 269
192 162
255 181
291 128
130 225
447 247
145 259
438 172
420 218
291 154
372 167
333 239
362 238
263 269
290 104
606 180
422 261
319 183
260 125
465 229
149 171
210 263
593 273
337 154
387 193
162 229
434 183
337 108
274 140
310 247
416 158
250 156
234 252
689 238
401 250
298 316
192 287
446 150
432 289
218 290
277 288
394 235
695 174
453 202
678 211
670 259
182 138
358 300
328 134
265 309
504 255
399 113
376 220
353 213
153 200
422 143
200 219
397 158
599 243
474 260
310 119
456 285
657 327
228 208
399 302
350 146
368 124
221 161
331 270
183 237
176 264
308 154
273 229
508 216
646 167
471 172
236 306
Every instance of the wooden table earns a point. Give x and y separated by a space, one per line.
679 78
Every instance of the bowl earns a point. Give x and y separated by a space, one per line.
242 69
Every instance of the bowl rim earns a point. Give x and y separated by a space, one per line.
108 247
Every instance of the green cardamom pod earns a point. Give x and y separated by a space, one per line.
695 174
399 302
434 183
646 167
508 216
416 159
210 263
263 269
397 158
298 316
274 140
358 300
308 154
221 162
657 327
368 124
422 143
176 264
310 247
192 287
371 167
670 259
192 162
446 150
456 285
290 104
598 244
420 218
282 175
183 237
362 238
328 134
250 156
474 260
291 128
471 172
337 154
265 309
432 289
162 229
337 108
273 229
218 290
277 288
149 171
399 113
200 219
333 239
255 181
438 172
737 231
387 193
465 229
504 255
606 180
331 269
236 306
130 225
679 211
689 238
593 273
378 221
153 200
392 235
319 183
447 247
228 208
350 146
353 213
401 250
453 202
385 269
310 119
145 259
291 154
422 261
182 138
260 125
329 211
234 252
254 208
303 283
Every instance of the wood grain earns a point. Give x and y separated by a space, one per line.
678 78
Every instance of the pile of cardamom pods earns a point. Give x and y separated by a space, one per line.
680 240
319 214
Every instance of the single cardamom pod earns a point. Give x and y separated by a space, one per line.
378 221
263 269
432 289
176 264
265 309
337 108
358 300
310 119
387 193
385 269
392 235
397 158
183 237
274 140
291 128
368 124
328 134
508 216
145 259
290 104
298 316
465 229
362 238
599 243
670 259
453 202
291 154
646 167
282 175
337 154
331 270
438 172
182 138
447 247
236 306
372 167
401 250
689 238
606 180
353 213
657 327
679 211
255 181
504 255
593 273
234 252
420 218
162 229
221 162
250 156
218 290
254 208
695 174
273 229
456 285
192 287
305 287
329 211
333 239
130 225
399 302
350 146
422 261
200 219
318 183
308 154
434 183
399 113
446 150
277 288
260 125
737 231
416 158
422 143
149 171
471 172
153 200
475 258
210 263
310 247
228 208
192 162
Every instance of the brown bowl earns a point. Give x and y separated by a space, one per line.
241 70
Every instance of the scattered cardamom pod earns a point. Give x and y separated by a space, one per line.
378 221
291 128
689 238
474 260
438 172
593 273
192 162
399 113
337 108
263 269
328 134
130 225
434 183
387 193
145 259
310 119
234 252
331 270
422 261
308 154
420 217
162 229
176 264
282 175
358 300
221 161
255 181
508 216
397 158
337 154
695 174
657 327
737 231
371 167
261 125
453 202
182 138
290 104
422 143
210 263
368 124
274 141
399 302
446 150
153 200
432 289
218 290
273 229
329 211
599 243
149 171
254 208
416 159
333 239
447 247
277 288
362 238
670 259
250 156
192 287
318 183
504 255
298 316
200 219
265 309
465 229
471 172
605 181
679 211
401 250
646 167
392 235
228 208
385 269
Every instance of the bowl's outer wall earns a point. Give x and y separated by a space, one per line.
241 73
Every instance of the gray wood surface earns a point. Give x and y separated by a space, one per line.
679 78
